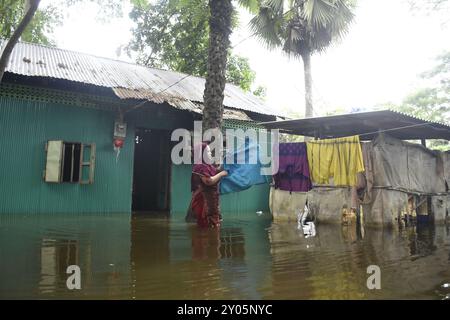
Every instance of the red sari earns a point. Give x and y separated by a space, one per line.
205 199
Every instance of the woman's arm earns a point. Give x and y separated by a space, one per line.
210 181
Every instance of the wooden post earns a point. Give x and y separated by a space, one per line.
424 142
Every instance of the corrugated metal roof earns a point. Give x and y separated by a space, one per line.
365 124
126 79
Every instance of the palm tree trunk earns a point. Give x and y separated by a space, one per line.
219 42
306 57
31 8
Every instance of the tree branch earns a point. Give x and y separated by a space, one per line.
31 8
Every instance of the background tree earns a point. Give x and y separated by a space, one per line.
302 28
38 29
174 35
260 92
432 102
46 18
429 5
23 20
29 9
238 72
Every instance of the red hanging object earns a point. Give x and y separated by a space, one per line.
118 143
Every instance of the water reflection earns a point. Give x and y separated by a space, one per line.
36 251
421 241
145 257
56 255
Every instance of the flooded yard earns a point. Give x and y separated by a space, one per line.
155 257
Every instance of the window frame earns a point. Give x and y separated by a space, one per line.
90 163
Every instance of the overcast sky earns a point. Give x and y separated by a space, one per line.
377 62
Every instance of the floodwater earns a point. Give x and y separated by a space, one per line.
148 257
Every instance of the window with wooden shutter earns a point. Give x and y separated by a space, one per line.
54 161
70 162
87 163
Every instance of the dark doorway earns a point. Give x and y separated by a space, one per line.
151 175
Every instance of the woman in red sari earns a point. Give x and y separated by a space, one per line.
205 190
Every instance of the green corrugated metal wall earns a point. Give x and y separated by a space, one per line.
26 126
245 202
248 201
30 116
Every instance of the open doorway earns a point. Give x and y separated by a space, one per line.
151 175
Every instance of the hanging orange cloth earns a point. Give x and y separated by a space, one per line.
340 159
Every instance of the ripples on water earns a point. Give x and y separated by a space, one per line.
145 257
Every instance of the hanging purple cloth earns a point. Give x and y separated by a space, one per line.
293 173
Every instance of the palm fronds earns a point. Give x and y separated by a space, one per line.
301 25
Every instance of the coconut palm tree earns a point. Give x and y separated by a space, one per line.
302 28
220 28
219 42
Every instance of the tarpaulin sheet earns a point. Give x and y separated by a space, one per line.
242 176
440 206
286 205
406 166
399 168
387 206
327 204
365 179
446 160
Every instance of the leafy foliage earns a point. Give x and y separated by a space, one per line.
174 34
46 18
260 92
106 8
432 102
39 29
171 34
239 72
429 5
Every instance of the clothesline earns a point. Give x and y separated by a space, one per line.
333 142
362 134
374 132
393 129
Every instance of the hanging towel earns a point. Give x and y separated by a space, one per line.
340 159
293 171
242 176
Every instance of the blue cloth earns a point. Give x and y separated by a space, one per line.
243 176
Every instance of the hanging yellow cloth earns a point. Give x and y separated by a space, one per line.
340 159
320 156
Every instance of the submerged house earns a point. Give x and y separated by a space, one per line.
402 179
60 112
